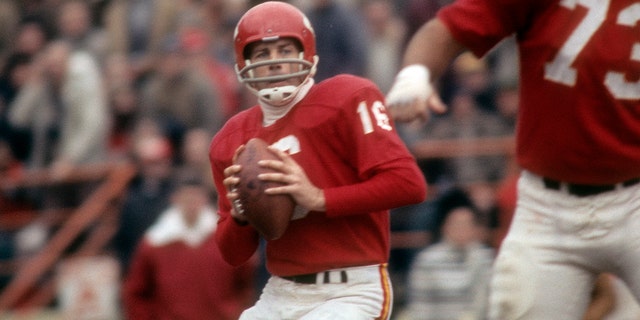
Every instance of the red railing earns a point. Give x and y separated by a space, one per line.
30 286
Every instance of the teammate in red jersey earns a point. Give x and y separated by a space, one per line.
341 160
578 141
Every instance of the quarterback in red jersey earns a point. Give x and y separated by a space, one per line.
578 141
340 159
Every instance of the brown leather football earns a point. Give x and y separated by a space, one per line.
269 214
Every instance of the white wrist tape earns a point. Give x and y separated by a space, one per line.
412 83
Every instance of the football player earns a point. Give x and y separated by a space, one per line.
340 159
578 141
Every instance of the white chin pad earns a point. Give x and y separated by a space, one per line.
278 95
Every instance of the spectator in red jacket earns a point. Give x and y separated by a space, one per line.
177 271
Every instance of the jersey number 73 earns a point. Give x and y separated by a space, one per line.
560 70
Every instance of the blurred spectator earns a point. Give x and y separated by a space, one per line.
124 107
136 29
195 157
226 20
7 253
61 105
385 31
31 37
44 11
177 271
148 194
74 25
465 120
412 229
449 279
9 20
507 100
13 205
474 112
13 77
504 62
199 47
11 201
10 167
339 39
124 104
474 76
484 199
117 71
180 96
205 15
64 106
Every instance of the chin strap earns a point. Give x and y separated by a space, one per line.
279 95
272 112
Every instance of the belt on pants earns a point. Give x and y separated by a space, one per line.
584 190
338 276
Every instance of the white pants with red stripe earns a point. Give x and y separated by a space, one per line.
558 244
366 294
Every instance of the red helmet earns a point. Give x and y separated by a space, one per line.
271 21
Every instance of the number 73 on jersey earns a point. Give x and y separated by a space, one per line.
560 70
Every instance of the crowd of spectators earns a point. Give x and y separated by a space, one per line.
151 81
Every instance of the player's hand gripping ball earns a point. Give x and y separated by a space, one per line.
269 214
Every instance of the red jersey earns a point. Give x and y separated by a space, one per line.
342 137
580 81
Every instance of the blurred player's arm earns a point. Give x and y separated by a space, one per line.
428 55
433 46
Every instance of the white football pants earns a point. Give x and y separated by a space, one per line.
556 247
366 295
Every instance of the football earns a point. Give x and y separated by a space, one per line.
269 214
